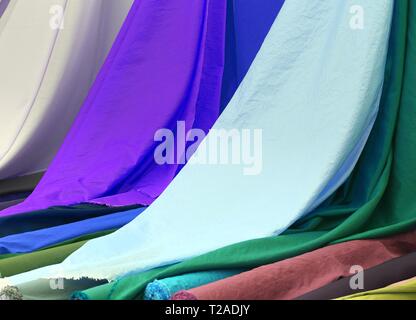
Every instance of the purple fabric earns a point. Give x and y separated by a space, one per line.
165 66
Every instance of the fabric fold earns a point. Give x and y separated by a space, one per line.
371 204
53 217
148 83
36 240
3 6
268 99
392 271
46 69
291 278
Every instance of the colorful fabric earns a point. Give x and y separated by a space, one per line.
36 240
370 204
392 271
46 70
54 216
270 83
13 264
148 82
291 278
248 23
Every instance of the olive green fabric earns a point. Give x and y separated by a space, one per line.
378 200
18 263
405 291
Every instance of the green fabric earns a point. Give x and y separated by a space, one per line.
377 201
405 291
11 265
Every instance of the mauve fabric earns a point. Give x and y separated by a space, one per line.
392 271
148 82
3 6
293 277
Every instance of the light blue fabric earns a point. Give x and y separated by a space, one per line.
35 240
312 90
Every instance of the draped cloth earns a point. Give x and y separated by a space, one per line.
54 216
372 203
13 264
34 240
46 72
291 278
268 99
147 83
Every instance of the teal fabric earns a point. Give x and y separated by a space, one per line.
164 289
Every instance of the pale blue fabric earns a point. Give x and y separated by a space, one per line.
313 90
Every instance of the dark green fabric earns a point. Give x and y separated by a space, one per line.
20 184
54 216
11 265
10 203
377 201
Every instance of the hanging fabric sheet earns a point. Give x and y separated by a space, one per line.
50 53
147 83
372 204
294 126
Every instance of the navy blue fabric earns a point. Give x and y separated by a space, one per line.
248 23
35 240
54 216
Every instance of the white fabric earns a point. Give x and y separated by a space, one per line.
313 90
46 72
